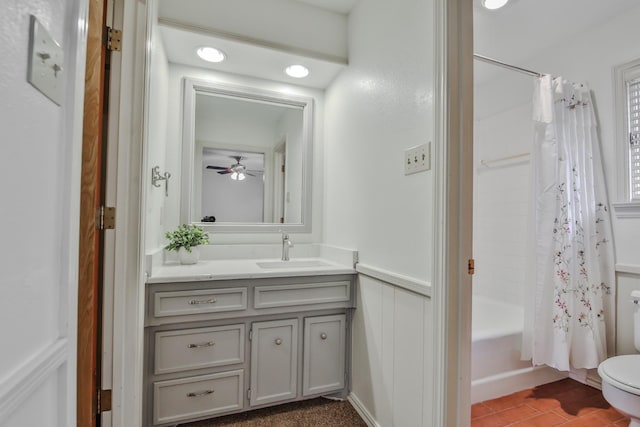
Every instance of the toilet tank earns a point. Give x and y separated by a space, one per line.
635 298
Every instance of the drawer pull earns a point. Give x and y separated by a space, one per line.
205 301
323 336
200 393
204 344
278 341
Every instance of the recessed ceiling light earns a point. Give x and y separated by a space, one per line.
494 4
210 54
297 71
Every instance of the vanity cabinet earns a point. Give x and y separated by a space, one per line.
274 361
214 348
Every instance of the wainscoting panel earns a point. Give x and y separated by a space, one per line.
392 361
627 280
37 375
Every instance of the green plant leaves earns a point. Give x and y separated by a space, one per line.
186 236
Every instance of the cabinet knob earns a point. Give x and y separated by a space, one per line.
278 341
323 336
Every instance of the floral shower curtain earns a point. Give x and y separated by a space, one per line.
573 243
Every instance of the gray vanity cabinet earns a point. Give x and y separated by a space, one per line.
274 361
218 347
324 349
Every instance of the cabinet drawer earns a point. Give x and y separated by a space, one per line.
301 294
200 301
198 348
188 398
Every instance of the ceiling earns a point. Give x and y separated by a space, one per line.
244 58
523 28
183 30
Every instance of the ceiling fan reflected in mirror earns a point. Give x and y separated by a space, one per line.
237 170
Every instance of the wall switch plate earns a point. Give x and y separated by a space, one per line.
417 159
46 62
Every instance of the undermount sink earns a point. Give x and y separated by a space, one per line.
292 264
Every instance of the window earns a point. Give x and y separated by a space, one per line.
633 126
627 80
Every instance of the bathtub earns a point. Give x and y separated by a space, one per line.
496 368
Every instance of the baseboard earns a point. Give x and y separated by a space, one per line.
362 410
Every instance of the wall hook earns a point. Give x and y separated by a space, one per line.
155 177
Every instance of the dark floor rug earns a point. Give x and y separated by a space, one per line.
309 413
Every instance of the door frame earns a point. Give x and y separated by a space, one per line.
453 204
124 321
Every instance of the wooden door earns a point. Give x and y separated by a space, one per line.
90 245
274 361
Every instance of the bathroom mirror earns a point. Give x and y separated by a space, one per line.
246 158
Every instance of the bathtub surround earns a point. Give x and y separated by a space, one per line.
574 247
497 368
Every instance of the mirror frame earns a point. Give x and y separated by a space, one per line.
193 87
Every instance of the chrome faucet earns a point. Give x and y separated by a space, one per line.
286 244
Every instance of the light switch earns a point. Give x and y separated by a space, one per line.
46 60
417 159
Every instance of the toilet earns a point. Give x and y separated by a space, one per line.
621 375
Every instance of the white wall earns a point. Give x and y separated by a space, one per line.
229 200
380 105
502 194
157 136
377 107
590 57
39 181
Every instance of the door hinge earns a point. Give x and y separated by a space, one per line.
104 401
249 394
114 39
471 266
106 218
250 334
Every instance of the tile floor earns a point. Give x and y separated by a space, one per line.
562 403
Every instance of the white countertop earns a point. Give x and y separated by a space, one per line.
244 269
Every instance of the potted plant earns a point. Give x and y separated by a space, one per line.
185 240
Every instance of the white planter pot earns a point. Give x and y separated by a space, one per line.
186 257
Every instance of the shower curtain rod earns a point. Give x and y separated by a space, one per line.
505 65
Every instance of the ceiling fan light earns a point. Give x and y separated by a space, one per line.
494 4
241 176
234 176
210 54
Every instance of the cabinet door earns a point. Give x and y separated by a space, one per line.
274 361
324 354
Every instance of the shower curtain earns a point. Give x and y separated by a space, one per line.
573 240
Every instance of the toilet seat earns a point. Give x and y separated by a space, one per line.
622 372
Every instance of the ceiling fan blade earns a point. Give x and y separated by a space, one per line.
250 174
217 167
224 172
